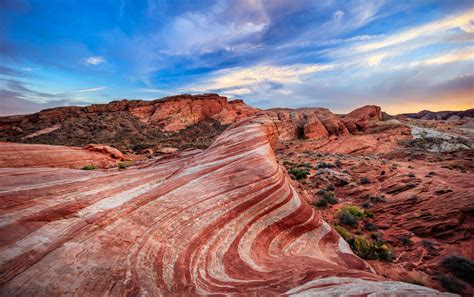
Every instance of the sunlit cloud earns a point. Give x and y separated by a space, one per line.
237 77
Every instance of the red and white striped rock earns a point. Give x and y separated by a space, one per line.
223 221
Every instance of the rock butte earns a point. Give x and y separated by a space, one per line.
226 220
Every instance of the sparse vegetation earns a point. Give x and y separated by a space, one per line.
90 167
324 165
370 250
349 215
298 173
122 165
411 174
405 240
370 226
364 181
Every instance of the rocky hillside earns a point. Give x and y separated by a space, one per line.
227 220
178 121
440 115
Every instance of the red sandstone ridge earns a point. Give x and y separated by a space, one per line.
39 155
178 121
198 223
178 112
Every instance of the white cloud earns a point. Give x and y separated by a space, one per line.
94 60
89 90
237 78
461 21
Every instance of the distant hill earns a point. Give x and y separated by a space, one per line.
439 115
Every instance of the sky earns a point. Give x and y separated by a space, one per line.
405 56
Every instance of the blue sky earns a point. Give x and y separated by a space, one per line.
403 55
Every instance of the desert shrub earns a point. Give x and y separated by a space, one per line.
90 167
305 164
343 232
298 173
348 219
377 237
410 167
395 166
288 163
411 174
364 181
330 187
371 250
378 198
353 210
321 203
122 165
366 204
461 267
338 163
383 172
369 226
405 240
324 165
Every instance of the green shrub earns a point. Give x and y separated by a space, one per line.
364 181
321 203
324 165
90 167
288 163
371 250
353 210
298 174
411 174
350 215
343 232
330 187
122 165
370 226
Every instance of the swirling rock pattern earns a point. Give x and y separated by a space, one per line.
223 221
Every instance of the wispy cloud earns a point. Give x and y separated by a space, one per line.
461 21
89 90
94 60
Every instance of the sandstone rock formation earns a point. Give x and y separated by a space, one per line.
38 155
361 118
178 121
227 220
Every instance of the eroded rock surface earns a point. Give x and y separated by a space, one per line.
226 220
39 155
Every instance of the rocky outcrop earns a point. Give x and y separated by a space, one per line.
178 112
38 155
360 118
178 121
318 123
199 223
106 150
